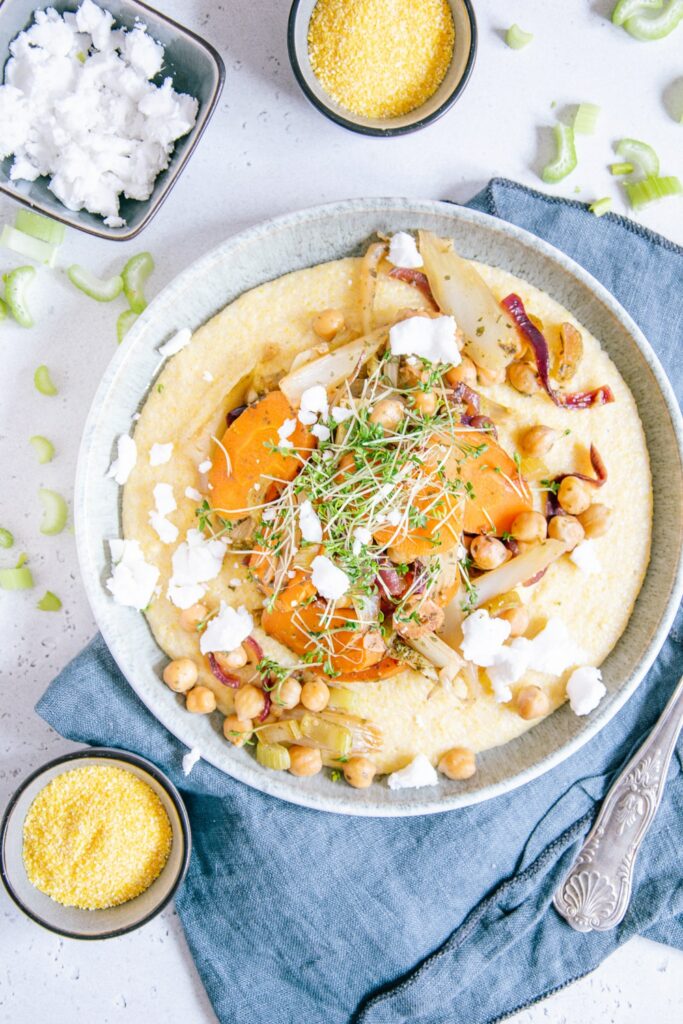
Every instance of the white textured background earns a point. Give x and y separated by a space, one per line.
266 152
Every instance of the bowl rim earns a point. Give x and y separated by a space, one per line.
369 130
113 754
247 774
125 234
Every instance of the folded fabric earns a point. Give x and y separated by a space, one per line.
299 915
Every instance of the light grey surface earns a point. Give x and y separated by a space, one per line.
304 239
268 151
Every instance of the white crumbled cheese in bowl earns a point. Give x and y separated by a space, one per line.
328 579
585 558
227 630
431 338
585 690
78 106
415 775
126 457
132 580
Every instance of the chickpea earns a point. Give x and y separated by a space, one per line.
236 730
249 702
568 529
529 527
488 377
359 772
180 675
532 702
574 496
201 701
388 413
191 617
596 520
328 323
464 373
231 660
425 403
305 760
288 693
458 763
488 552
523 378
518 618
315 695
538 440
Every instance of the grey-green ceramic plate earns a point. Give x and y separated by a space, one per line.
300 240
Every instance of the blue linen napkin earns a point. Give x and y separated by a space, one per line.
298 915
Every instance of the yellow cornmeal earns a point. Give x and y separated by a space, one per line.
95 837
381 58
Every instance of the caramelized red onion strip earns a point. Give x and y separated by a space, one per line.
415 278
531 334
266 707
254 649
221 676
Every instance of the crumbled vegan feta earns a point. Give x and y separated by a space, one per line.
509 665
329 580
208 376
585 689
585 558
415 775
553 650
309 523
403 251
160 454
79 107
313 404
361 537
431 338
132 580
126 457
179 340
190 759
285 432
195 561
193 494
205 466
321 432
165 503
483 637
269 515
227 630
340 413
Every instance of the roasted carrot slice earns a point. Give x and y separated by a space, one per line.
494 490
249 442
384 669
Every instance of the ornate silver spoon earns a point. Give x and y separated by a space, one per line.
595 894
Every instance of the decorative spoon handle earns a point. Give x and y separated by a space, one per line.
595 894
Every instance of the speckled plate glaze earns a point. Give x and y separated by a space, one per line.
300 240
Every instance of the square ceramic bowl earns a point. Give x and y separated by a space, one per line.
93 924
431 110
196 69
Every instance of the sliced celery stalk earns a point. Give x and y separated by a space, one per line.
627 8
586 118
285 731
44 449
651 189
329 735
124 323
639 153
43 381
601 206
16 285
25 245
20 578
135 273
6 538
617 169
98 288
647 27
273 755
37 226
344 700
49 602
55 512
516 38
565 161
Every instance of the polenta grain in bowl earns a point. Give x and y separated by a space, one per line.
95 837
387 532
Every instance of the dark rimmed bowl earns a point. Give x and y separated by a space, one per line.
93 924
196 68
431 110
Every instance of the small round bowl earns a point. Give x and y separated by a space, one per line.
451 88
93 924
